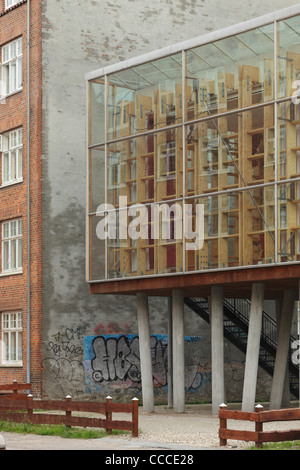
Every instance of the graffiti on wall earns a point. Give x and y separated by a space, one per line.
76 364
113 359
62 365
111 328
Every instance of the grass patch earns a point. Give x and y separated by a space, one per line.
286 445
55 430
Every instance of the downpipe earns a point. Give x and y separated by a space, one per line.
28 200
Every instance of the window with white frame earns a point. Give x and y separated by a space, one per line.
12 334
12 241
12 152
11 59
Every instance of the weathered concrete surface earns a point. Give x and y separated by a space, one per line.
79 37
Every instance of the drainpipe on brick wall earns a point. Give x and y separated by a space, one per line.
28 199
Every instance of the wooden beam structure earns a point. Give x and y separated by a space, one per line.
237 283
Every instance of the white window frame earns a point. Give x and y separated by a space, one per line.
11 3
12 67
12 246
11 157
11 338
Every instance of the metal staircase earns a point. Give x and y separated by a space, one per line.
236 323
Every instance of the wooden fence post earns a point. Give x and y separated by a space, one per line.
258 426
135 417
68 411
108 414
223 424
29 407
15 390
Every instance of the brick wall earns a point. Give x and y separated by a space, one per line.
13 198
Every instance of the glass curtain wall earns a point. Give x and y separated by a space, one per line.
194 158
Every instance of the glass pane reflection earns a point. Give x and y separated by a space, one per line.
145 97
232 73
238 230
231 151
288 56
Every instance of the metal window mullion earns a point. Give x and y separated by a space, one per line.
88 185
183 157
135 136
276 135
105 165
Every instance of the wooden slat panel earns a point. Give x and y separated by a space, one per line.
71 406
279 436
14 396
88 407
124 425
15 386
247 436
238 415
48 405
14 417
119 408
85 422
47 419
290 414
18 404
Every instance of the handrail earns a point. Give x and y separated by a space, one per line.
237 313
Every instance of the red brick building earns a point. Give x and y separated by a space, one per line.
20 191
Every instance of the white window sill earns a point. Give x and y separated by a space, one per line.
11 183
11 273
12 364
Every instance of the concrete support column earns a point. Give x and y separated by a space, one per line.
217 348
145 352
178 350
170 354
253 346
283 337
286 395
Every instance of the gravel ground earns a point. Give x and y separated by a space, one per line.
195 429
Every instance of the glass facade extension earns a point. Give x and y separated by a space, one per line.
194 157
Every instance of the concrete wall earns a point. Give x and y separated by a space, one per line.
79 37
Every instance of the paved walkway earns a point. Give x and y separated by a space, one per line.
32 442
